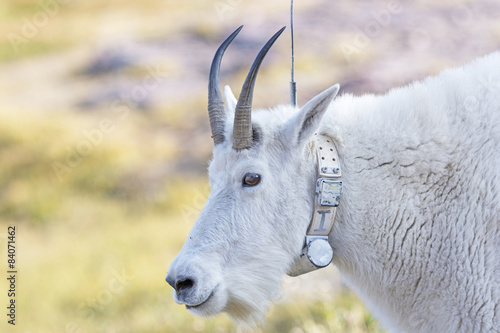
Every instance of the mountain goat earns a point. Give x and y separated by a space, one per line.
417 230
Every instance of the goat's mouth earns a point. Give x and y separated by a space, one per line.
197 306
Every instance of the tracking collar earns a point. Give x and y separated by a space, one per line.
317 252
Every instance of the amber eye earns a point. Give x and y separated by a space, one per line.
251 179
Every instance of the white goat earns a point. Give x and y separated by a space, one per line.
417 232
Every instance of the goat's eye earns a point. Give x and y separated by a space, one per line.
251 179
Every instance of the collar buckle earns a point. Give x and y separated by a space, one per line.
328 191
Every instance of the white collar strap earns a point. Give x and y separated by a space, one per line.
317 252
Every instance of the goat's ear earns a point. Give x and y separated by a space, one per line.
306 122
230 101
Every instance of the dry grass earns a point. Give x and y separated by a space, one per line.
112 215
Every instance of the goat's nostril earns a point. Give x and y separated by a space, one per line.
180 283
186 283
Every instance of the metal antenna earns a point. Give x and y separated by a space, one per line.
293 85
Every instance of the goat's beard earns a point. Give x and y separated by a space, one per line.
252 289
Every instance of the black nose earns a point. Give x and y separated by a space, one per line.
182 283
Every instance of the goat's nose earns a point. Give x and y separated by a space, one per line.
180 283
170 281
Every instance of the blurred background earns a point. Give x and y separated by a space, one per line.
104 139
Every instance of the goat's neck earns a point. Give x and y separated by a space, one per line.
388 161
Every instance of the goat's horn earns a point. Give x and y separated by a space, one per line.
242 130
216 111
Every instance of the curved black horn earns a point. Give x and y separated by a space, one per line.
216 111
242 129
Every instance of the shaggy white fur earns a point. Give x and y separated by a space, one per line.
417 233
